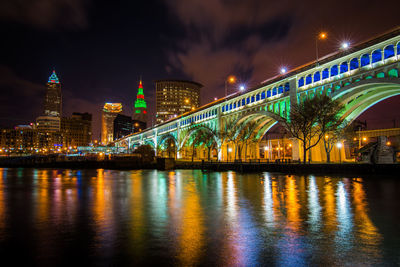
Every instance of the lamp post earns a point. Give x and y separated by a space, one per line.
321 36
231 79
339 146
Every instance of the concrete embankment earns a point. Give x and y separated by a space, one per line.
134 163
296 168
76 163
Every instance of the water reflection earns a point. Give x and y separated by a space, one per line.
193 218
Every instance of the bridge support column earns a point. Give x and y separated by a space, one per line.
257 151
295 149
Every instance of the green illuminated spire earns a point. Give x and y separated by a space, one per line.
139 110
140 102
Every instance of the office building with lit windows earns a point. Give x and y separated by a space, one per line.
175 97
77 129
110 112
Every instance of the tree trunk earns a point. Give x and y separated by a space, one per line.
304 152
328 153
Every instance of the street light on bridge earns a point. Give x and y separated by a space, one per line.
321 36
345 45
231 79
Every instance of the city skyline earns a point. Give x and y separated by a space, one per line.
101 61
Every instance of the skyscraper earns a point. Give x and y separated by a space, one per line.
53 98
110 111
49 121
139 110
175 97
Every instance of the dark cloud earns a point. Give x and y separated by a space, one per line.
254 38
21 100
46 14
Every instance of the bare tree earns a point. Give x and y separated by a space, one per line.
304 121
331 123
206 138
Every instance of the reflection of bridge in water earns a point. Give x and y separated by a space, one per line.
359 78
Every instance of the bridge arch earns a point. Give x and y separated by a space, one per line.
166 137
359 97
150 142
264 121
191 131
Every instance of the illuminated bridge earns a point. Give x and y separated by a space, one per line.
358 77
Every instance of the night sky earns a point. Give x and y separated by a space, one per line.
100 49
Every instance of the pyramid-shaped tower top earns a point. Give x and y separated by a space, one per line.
53 78
140 102
140 93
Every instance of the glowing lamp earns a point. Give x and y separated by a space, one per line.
339 145
242 88
345 45
283 70
231 79
323 35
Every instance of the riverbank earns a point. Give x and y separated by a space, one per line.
134 163
126 163
296 168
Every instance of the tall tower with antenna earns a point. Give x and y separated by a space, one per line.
140 107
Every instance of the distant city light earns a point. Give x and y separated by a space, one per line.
283 70
215 99
266 148
339 145
242 88
345 45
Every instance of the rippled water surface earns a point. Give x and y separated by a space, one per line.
190 217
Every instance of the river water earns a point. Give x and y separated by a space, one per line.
189 217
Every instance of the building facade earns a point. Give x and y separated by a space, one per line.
77 130
49 124
175 97
18 140
122 126
110 112
140 107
